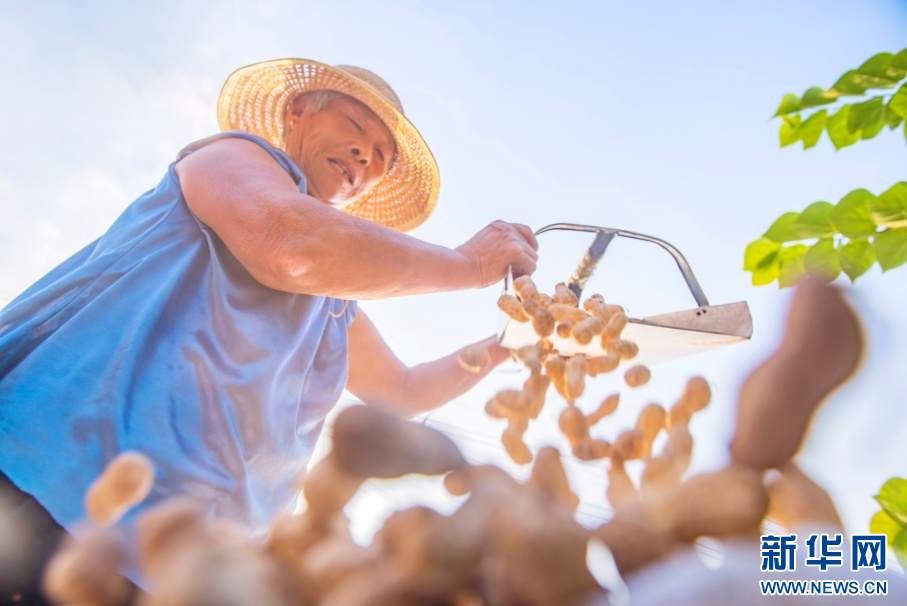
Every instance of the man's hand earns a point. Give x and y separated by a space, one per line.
498 246
378 377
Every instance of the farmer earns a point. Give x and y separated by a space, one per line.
215 324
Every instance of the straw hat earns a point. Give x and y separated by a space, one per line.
254 99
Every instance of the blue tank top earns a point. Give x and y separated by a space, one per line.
154 338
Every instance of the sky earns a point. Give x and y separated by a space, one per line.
652 116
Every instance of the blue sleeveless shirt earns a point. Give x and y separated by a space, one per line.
155 339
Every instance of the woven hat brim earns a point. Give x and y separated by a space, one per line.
254 99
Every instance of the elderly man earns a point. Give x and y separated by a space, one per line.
215 324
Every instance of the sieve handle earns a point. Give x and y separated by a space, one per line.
603 237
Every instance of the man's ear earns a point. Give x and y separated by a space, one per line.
298 106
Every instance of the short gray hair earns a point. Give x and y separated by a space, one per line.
317 100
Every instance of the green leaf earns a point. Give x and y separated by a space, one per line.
900 548
882 523
891 248
890 208
792 268
761 258
875 128
893 499
816 96
856 257
838 131
900 60
866 114
811 130
789 103
850 84
879 66
814 222
898 103
782 229
892 118
790 130
822 260
851 215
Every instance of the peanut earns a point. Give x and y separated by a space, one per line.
637 375
511 306
525 288
542 320
574 426
565 329
602 364
585 330
564 296
124 483
474 358
575 371
563 312
607 407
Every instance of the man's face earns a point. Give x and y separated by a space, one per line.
343 150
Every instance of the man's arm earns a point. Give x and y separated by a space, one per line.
378 378
292 242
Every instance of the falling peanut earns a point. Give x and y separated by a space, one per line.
630 444
607 407
371 443
592 450
565 329
575 372
555 368
508 404
542 320
620 492
474 358
515 447
637 375
563 312
525 288
678 415
627 350
574 426
696 394
651 420
549 479
125 482
614 327
659 476
457 483
600 365
595 306
535 388
531 356
564 296
679 447
584 331
511 306
84 570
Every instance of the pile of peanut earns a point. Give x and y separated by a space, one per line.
561 313
509 543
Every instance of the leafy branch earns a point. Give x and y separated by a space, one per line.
861 229
850 236
847 123
892 519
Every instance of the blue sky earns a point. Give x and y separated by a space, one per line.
647 116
